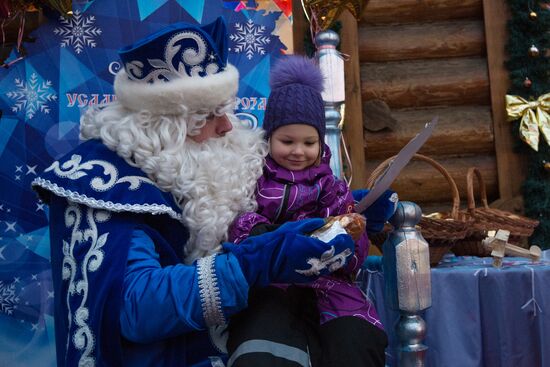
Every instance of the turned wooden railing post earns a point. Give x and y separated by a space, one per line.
406 265
331 64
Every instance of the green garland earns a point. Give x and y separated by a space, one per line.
529 26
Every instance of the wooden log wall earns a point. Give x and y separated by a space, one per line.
425 59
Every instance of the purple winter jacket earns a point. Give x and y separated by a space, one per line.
284 195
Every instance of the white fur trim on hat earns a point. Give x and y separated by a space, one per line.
195 93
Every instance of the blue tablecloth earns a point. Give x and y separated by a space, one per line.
480 315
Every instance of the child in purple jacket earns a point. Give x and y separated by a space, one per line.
329 322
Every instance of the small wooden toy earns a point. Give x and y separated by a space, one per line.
498 243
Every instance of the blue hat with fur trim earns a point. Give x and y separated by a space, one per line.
180 68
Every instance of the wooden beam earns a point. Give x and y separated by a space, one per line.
511 172
415 11
433 40
422 83
299 27
353 126
461 130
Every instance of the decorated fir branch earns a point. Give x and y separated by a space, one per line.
11 8
18 19
528 65
321 14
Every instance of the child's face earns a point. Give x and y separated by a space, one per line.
295 146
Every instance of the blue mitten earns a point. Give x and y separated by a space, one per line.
290 255
380 211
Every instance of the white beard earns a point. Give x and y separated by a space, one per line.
216 183
212 182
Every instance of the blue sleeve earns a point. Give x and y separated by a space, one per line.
164 302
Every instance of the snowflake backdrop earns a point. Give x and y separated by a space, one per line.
69 67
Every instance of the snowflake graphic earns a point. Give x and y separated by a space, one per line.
249 39
78 31
8 299
32 96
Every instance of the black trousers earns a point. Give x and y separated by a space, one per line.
281 329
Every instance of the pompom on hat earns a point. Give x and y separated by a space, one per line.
181 67
296 86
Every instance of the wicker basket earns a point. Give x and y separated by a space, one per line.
487 219
441 231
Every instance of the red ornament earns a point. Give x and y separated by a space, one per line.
527 83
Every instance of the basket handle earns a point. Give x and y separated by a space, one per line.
454 190
470 189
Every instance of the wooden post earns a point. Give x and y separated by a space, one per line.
299 27
511 172
353 126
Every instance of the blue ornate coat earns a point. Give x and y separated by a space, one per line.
122 294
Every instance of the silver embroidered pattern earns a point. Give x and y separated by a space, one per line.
106 205
76 274
328 260
74 169
164 70
209 291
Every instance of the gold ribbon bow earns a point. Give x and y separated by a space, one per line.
534 117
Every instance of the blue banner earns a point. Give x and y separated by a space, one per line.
70 66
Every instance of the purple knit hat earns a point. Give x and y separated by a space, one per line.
296 86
